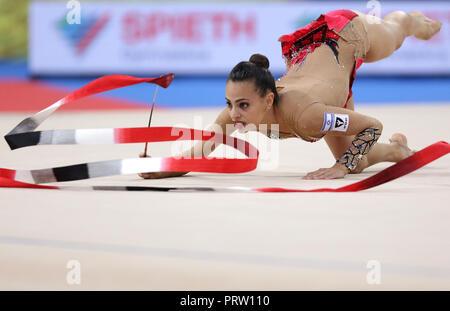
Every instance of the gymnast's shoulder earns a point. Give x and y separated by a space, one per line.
293 101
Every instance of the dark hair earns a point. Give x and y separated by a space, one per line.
256 69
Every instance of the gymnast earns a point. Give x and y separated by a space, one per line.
313 100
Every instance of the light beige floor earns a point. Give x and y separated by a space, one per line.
228 241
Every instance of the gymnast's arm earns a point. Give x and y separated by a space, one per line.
219 124
319 119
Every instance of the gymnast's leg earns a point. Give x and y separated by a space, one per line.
395 151
387 35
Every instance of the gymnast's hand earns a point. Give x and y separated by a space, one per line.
158 175
336 171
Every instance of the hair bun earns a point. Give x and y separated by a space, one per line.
260 60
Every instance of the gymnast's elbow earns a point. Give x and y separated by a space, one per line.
373 125
364 125
372 130
377 125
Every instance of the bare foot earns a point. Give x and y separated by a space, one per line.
403 151
425 27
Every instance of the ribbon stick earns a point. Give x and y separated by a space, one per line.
150 119
24 135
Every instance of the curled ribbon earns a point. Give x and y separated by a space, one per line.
24 135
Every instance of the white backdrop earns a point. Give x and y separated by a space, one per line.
199 38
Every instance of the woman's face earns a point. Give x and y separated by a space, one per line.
245 104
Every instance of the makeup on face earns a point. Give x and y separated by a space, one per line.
246 106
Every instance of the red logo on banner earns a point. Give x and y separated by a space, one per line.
83 34
190 27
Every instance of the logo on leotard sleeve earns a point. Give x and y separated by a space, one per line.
335 122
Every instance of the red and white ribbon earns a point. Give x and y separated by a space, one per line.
24 135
